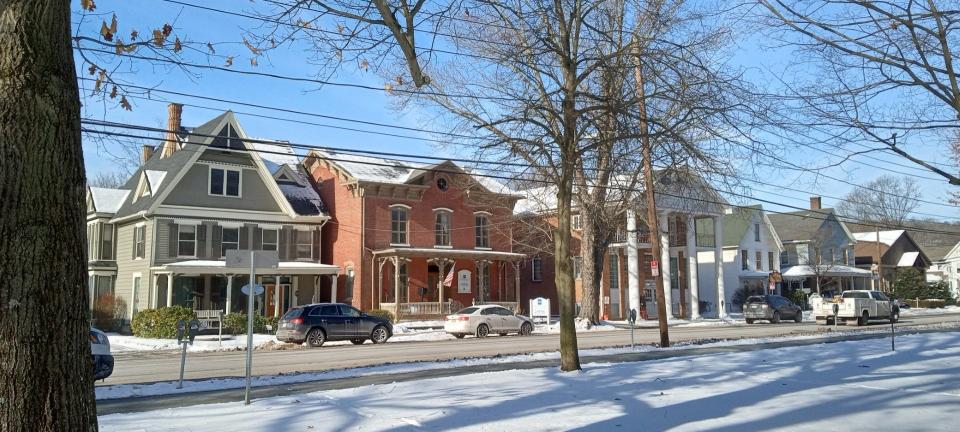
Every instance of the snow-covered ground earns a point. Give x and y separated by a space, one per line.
810 388
928 311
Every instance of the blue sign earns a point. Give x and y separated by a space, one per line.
257 289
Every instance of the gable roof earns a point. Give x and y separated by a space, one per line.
107 200
886 237
804 224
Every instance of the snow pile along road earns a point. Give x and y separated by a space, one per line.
810 388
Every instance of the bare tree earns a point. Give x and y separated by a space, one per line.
44 386
886 200
108 179
886 70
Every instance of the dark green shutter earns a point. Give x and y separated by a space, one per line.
257 239
202 241
173 243
245 237
217 239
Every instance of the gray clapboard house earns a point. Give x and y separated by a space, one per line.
161 239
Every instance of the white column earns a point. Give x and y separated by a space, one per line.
229 293
692 268
333 288
169 289
718 262
633 264
154 293
664 226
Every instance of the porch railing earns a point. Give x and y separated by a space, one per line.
509 305
419 309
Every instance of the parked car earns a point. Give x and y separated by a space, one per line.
483 320
855 307
771 308
318 323
102 358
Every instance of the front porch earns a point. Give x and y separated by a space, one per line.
417 283
209 285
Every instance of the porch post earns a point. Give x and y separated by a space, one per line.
276 296
396 286
441 263
333 289
155 292
718 262
664 226
229 293
516 287
170 279
633 263
692 268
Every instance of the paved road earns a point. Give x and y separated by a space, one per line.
147 367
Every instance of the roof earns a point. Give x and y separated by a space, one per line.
908 259
799 225
805 271
938 252
155 170
106 200
738 223
886 237
294 183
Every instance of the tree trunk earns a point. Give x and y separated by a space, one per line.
45 364
563 278
589 276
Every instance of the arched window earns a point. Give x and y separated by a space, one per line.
442 228
398 225
482 224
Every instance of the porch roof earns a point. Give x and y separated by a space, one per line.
749 274
200 267
805 271
478 254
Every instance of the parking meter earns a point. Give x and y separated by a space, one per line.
181 329
632 318
194 329
836 312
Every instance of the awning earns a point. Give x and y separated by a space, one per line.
908 259
473 254
201 267
805 271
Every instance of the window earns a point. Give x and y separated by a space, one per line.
536 267
106 242
139 241
224 182
269 238
744 260
803 254
304 241
349 311
187 240
482 231
759 257
756 232
577 266
228 138
830 254
398 225
328 310
442 228
784 258
704 229
576 222
229 240
614 271
770 260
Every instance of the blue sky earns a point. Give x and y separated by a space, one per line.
203 26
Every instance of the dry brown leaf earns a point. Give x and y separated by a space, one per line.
113 24
125 104
88 5
340 28
105 32
388 87
229 61
167 29
99 82
177 46
253 62
158 38
134 35
253 49
113 93
364 64
92 69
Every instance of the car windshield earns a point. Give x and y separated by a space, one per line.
856 294
756 299
466 311
293 313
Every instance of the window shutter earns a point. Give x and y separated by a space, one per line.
202 241
257 238
215 244
291 242
316 245
245 237
174 237
133 254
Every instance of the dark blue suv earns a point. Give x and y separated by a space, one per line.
318 323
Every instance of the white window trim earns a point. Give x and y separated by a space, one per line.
576 223
442 247
223 253
263 242
133 296
486 215
297 244
400 205
483 248
439 209
196 234
141 225
533 269
482 212
225 168
407 225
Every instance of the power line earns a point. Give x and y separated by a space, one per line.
502 177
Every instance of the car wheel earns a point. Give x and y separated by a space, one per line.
749 320
459 335
799 317
316 338
526 329
483 331
864 319
776 318
894 316
379 335
358 341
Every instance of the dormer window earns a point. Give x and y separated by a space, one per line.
228 138
224 182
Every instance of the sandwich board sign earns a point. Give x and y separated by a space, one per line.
540 310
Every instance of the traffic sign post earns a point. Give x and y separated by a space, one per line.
253 259
655 268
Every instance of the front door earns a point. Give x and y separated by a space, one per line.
433 279
269 299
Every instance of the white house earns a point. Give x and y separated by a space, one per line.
945 267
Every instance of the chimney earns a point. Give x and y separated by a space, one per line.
174 112
815 203
146 153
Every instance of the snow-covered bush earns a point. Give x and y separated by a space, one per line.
159 323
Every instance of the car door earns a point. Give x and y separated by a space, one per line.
882 302
331 321
510 321
353 323
490 317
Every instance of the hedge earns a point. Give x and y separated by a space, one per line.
385 314
160 323
236 323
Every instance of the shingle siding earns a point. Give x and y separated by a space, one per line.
127 265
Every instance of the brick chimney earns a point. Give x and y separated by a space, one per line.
174 112
146 153
815 203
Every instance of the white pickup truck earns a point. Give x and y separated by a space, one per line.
855 307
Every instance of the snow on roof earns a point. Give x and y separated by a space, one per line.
804 271
373 169
156 179
908 259
275 154
886 237
107 200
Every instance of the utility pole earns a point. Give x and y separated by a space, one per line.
651 201
879 264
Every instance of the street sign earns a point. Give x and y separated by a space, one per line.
773 286
257 289
240 259
655 268
540 310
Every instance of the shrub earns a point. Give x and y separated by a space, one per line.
800 298
911 284
385 314
160 323
236 323
108 313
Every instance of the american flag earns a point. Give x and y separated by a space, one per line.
448 281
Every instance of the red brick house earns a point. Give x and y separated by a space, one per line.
397 229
